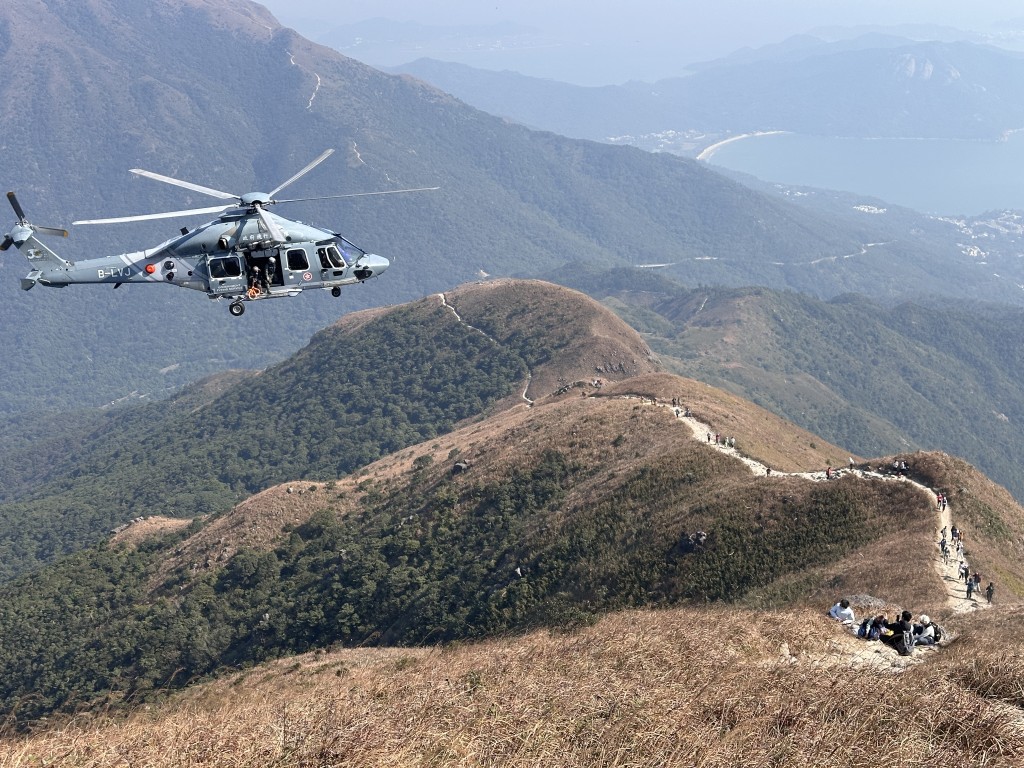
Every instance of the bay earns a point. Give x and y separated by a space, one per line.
946 177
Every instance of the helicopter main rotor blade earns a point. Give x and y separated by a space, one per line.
275 231
185 184
357 194
326 153
16 206
149 216
49 230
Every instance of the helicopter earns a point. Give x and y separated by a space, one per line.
246 254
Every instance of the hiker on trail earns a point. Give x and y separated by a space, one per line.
767 471
828 473
842 611
970 589
954 534
989 591
924 633
851 463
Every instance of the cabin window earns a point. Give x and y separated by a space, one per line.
228 266
297 259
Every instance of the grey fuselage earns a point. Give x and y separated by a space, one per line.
226 257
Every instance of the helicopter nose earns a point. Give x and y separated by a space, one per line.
370 265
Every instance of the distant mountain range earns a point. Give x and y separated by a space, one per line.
253 101
872 86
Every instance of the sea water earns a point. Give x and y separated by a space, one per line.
941 176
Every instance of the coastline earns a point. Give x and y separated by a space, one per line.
707 152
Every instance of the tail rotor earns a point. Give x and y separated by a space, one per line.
8 240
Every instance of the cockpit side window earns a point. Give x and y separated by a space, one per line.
335 257
297 259
330 258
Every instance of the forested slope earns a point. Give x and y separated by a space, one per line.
367 386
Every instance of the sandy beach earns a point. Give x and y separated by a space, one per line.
709 151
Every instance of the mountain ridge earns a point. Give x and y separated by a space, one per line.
350 395
873 86
599 496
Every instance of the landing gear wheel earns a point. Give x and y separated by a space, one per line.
336 291
236 308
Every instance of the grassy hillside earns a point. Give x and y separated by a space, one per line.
371 384
872 377
678 687
562 512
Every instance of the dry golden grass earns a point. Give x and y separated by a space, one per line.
714 687
616 434
589 340
156 525
684 687
759 434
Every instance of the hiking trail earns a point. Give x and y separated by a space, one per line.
849 648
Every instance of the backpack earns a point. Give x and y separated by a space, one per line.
862 630
904 643
939 633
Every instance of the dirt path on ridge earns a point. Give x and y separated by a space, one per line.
956 592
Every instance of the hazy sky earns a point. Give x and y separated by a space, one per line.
629 39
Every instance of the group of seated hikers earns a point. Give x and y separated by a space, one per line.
902 634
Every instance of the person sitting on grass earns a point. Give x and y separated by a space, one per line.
842 611
871 628
924 633
901 634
